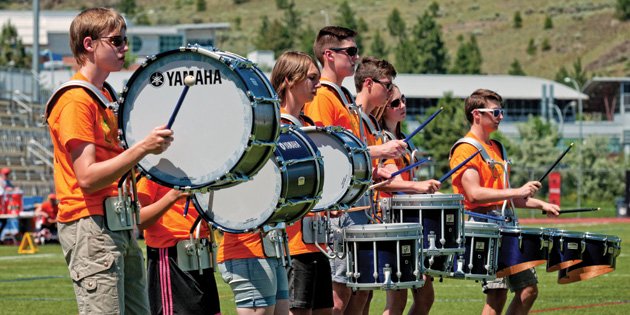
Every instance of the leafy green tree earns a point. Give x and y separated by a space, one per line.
396 24
531 47
548 23
201 5
347 18
142 19
438 137
517 22
307 37
579 74
403 54
468 57
282 4
515 68
434 8
12 51
431 52
378 47
545 46
622 9
127 7
561 74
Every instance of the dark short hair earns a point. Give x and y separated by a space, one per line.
328 37
372 67
479 99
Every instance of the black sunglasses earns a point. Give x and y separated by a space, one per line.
396 103
387 85
118 41
351 51
495 111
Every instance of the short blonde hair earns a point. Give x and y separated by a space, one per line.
292 66
91 23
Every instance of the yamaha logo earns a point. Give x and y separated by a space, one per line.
176 78
157 79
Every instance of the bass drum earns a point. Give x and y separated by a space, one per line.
227 126
287 187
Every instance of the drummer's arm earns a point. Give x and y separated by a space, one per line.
400 185
151 212
533 203
388 150
475 193
93 176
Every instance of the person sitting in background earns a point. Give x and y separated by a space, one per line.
46 219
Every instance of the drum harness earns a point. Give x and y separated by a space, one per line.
123 210
504 219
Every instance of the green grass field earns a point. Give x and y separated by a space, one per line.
39 284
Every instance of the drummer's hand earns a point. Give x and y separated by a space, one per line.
175 194
428 186
158 140
393 149
379 173
528 190
551 209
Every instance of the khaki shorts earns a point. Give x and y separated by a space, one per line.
514 282
107 268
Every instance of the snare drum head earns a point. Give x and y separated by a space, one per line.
246 206
337 166
212 128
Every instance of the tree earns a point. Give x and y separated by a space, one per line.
306 40
468 57
515 68
579 74
531 47
347 18
404 52
517 22
12 51
438 137
127 7
282 4
561 74
378 47
548 23
431 52
434 8
201 5
622 9
396 24
545 46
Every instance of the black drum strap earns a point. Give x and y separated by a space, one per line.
94 92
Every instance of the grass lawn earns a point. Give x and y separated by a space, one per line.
39 284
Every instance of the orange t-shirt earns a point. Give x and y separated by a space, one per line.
488 177
50 209
172 226
239 246
328 110
77 116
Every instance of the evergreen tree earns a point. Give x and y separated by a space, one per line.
404 52
396 24
531 47
515 68
434 8
517 21
468 57
579 74
622 9
12 51
201 5
347 18
127 7
545 46
378 47
282 4
306 40
561 74
431 52
548 23
438 137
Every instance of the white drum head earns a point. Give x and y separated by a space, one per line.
212 127
248 205
337 167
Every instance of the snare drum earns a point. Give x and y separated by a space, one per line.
565 249
480 260
599 257
520 248
347 166
227 126
439 266
287 187
384 256
441 216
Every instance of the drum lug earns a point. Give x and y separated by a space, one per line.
385 204
605 247
432 247
583 244
387 273
520 241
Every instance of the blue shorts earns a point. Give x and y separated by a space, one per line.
256 282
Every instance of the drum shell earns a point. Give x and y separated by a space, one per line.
520 248
390 243
188 164
565 249
482 250
428 211
599 258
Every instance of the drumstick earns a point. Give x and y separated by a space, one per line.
556 162
188 82
396 173
554 165
579 210
447 175
422 125
353 209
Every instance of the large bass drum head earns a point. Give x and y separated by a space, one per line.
212 128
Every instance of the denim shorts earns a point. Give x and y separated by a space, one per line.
514 282
256 282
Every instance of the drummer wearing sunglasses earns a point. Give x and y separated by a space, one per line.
484 183
88 163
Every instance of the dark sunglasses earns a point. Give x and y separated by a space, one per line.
118 41
396 103
496 112
351 51
387 85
